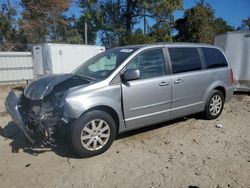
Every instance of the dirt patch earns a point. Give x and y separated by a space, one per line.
188 152
3 114
12 86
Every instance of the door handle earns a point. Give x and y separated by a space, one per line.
164 83
178 81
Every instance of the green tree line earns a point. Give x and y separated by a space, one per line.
114 22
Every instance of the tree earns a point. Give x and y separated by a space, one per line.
42 20
200 25
245 25
6 27
131 10
162 13
184 32
221 26
138 37
113 28
73 37
114 20
91 14
71 34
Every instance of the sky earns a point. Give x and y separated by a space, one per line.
233 11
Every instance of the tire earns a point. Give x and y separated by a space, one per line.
93 133
210 112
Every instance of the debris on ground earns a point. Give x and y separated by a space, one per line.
27 165
219 126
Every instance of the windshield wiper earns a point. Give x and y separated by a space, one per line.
87 77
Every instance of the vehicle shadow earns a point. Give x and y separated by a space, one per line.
64 149
19 142
11 131
242 93
157 126
19 88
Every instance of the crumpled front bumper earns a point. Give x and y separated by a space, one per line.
11 105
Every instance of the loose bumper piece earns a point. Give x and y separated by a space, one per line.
11 103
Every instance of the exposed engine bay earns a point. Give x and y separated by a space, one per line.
42 105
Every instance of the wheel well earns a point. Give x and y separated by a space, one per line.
222 90
110 111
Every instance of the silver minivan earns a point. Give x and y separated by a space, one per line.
122 89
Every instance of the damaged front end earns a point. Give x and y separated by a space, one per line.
39 110
43 118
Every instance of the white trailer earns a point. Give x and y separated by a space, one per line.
237 49
15 67
50 58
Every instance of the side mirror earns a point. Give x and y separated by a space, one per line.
129 75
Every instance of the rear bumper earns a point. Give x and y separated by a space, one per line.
11 103
229 93
242 85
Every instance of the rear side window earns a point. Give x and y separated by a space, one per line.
184 59
214 58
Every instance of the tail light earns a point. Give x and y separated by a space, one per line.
231 76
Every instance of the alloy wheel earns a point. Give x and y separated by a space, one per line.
95 134
215 105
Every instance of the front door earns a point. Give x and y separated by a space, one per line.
148 99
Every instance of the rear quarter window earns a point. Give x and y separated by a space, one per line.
214 58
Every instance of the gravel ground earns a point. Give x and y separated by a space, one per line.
188 152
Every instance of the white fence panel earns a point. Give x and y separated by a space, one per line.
16 66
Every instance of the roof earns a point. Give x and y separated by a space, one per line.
161 44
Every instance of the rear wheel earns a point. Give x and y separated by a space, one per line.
214 105
93 133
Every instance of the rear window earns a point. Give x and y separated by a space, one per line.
214 58
185 59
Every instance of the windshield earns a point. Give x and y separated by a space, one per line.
102 65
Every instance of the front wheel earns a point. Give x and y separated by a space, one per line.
214 105
93 133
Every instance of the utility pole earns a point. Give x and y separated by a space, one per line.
86 27
86 32
145 22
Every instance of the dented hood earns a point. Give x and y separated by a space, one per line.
41 87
